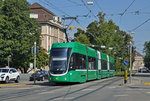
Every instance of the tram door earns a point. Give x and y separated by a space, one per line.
99 62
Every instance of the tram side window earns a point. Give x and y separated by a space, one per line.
104 65
78 61
92 63
112 66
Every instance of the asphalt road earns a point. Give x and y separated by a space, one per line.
109 89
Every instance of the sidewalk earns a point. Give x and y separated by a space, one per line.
24 84
134 81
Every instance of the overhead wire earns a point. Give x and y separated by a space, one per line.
74 2
140 25
121 14
98 5
54 7
88 9
127 8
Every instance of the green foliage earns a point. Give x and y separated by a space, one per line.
147 54
82 38
121 73
42 58
107 33
17 33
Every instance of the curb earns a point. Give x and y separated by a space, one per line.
134 81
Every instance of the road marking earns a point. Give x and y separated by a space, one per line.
147 83
8 85
148 92
134 89
120 95
46 92
112 87
87 89
62 98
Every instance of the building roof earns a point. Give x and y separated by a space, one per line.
138 54
43 13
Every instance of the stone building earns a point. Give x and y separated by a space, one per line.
50 25
139 61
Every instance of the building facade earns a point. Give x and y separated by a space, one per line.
50 25
139 61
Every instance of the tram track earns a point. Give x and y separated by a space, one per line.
33 91
94 90
72 92
25 93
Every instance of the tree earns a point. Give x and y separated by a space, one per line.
42 58
82 38
107 33
147 54
17 33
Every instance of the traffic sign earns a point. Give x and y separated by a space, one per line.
31 65
125 62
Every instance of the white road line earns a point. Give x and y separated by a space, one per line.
112 87
63 98
46 92
87 89
134 89
148 92
121 95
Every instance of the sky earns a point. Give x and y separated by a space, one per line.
129 15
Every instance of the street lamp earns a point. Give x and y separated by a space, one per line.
103 46
130 44
130 60
90 3
110 48
8 60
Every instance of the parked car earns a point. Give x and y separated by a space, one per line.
143 70
39 75
9 74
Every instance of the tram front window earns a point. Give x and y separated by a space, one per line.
59 59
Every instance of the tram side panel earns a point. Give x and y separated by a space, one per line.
104 70
112 67
91 64
99 75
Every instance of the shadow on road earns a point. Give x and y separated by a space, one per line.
46 83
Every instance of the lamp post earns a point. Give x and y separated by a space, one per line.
130 60
34 61
130 44
9 60
90 3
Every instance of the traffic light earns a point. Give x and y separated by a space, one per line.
127 50
133 49
38 50
32 50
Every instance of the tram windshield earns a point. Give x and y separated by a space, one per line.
59 60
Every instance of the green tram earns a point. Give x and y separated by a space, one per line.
75 62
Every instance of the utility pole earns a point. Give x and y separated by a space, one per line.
68 18
34 61
130 60
9 61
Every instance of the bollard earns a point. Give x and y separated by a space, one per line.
125 76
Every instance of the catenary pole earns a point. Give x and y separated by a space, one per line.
130 60
34 61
